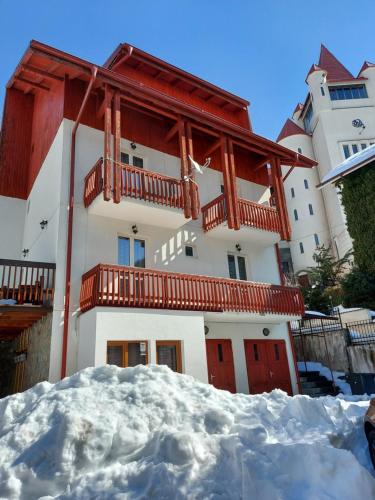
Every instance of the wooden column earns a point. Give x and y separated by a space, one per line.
193 188
184 168
228 191
116 148
107 143
280 198
233 178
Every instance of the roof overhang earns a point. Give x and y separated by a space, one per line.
52 63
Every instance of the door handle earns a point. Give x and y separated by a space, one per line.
212 376
271 374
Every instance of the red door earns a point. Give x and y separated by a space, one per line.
220 364
267 366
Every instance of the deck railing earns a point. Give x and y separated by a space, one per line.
107 285
259 216
139 184
93 183
27 282
251 214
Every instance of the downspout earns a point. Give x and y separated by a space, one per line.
68 269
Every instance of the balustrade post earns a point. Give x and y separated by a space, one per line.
107 143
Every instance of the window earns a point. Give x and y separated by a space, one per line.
237 267
308 118
128 159
301 249
316 238
306 184
189 251
299 150
292 192
168 352
311 211
222 188
131 252
352 148
348 92
295 214
129 353
322 91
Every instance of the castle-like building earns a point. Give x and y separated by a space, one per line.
336 120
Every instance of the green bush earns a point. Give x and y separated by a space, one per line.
359 289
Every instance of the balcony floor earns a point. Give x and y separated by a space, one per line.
245 234
139 211
246 317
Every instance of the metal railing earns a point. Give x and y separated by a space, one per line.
360 332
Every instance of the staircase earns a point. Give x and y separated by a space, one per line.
316 385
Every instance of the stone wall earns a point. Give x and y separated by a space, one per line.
313 348
38 352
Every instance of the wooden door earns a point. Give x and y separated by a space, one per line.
267 366
220 364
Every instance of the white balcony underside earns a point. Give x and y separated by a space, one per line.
245 317
244 234
139 211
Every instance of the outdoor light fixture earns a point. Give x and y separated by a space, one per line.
133 145
266 332
25 251
43 223
134 228
206 329
238 247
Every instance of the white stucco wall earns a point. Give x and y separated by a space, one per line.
12 217
100 325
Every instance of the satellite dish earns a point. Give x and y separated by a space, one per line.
199 168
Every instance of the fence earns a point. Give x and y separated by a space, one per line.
361 333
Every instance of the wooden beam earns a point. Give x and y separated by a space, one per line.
172 132
32 84
233 183
194 196
258 165
101 109
227 181
148 106
41 72
107 143
212 148
116 148
288 173
184 168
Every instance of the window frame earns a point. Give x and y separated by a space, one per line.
311 210
177 344
295 214
236 255
132 249
301 248
292 192
125 351
306 183
346 92
194 249
131 155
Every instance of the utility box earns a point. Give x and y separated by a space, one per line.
362 383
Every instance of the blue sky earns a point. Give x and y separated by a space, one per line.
260 50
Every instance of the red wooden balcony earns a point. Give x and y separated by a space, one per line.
26 294
107 285
146 196
257 220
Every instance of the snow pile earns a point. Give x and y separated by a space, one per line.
146 432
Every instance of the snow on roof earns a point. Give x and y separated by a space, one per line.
147 432
351 164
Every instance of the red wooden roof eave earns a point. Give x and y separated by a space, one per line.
170 68
286 156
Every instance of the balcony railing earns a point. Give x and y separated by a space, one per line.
251 214
139 184
27 282
107 285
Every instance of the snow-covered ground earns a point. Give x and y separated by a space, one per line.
146 432
326 372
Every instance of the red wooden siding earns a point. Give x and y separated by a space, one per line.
107 285
15 143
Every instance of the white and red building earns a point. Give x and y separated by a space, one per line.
336 120
107 230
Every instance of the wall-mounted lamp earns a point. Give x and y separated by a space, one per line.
206 330
134 228
266 332
25 252
238 247
43 223
133 145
